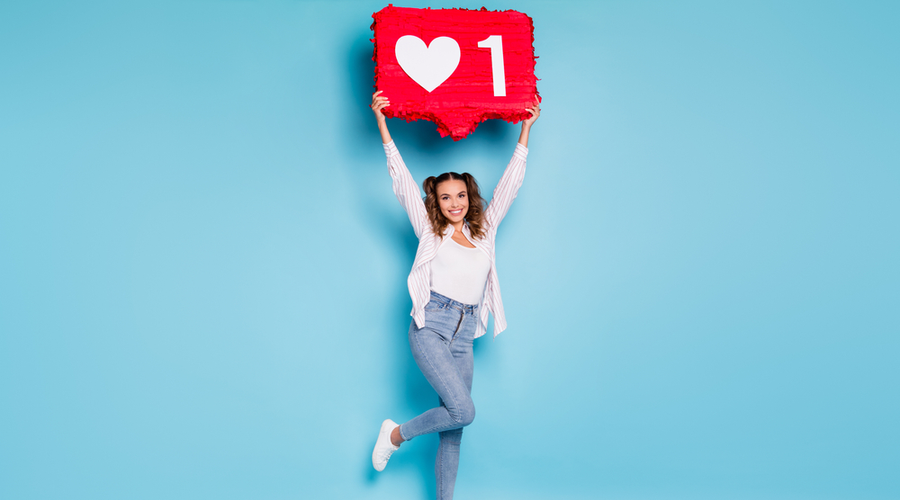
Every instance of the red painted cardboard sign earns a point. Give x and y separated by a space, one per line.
454 67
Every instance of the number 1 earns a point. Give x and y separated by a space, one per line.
495 43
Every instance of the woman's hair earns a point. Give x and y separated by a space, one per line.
475 214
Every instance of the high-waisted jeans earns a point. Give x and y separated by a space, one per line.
443 351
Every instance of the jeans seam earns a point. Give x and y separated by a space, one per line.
440 475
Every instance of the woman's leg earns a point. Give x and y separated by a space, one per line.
445 358
447 461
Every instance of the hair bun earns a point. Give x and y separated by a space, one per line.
428 185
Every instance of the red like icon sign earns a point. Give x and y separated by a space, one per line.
455 67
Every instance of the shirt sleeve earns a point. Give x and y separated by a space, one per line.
406 189
507 188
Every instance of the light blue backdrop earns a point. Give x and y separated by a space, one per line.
202 264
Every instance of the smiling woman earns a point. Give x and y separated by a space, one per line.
453 284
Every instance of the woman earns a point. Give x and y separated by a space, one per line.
453 284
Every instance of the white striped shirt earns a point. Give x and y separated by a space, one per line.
419 280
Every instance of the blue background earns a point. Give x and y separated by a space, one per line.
203 267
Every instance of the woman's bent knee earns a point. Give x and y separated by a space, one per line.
466 414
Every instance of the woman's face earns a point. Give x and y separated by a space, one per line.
453 199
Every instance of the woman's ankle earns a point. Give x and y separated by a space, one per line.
396 437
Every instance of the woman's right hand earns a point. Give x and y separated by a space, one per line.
379 102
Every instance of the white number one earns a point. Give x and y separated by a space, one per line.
495 43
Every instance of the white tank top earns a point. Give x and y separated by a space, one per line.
460 273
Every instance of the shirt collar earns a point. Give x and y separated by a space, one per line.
448 231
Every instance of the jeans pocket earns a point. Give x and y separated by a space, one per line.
433 306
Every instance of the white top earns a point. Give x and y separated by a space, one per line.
459 272
419 280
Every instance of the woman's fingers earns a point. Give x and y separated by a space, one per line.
376 98
379 101
535 110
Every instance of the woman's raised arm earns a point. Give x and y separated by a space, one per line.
512 178
405 187
535 111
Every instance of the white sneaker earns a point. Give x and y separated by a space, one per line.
383 446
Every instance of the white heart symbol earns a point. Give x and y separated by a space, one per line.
428 66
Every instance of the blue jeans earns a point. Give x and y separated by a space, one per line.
443 351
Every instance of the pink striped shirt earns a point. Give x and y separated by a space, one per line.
419 281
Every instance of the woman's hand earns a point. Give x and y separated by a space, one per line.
380 102
535 110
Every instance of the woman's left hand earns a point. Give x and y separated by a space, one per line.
535 111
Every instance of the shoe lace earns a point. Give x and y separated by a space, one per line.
386 453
